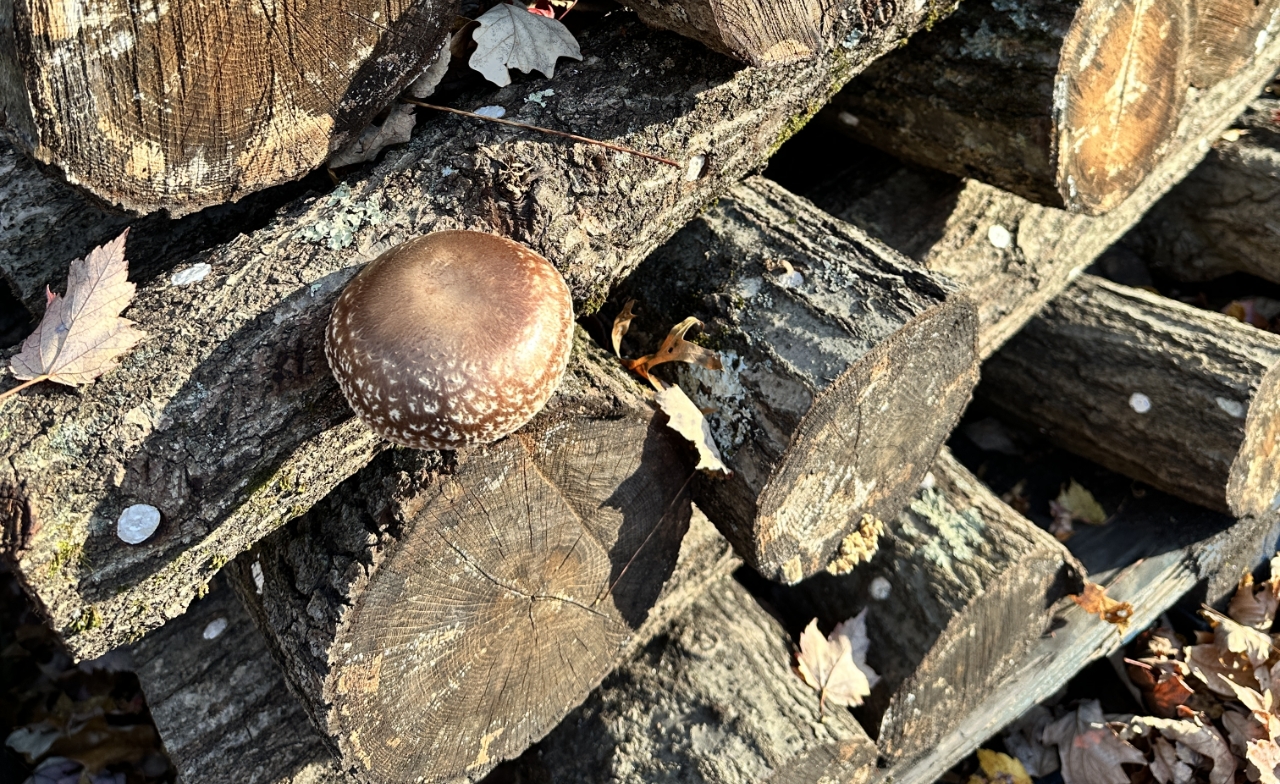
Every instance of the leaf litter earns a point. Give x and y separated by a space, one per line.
835 666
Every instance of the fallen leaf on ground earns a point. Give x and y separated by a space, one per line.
855 631
1238 638
675 348
1198 736
685 418
1095 600
1252 608
1076 503
397 128
509 36
1090 750
999 768
1025 739
621 324
82 334
827 665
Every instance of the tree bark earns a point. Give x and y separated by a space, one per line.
844 370
183 104
759 34
1223 217
1069 104
1011 256
1226 35
1183 399
227 419
716 698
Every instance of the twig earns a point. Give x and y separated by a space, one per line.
540 129
10 392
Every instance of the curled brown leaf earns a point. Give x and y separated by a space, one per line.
675 348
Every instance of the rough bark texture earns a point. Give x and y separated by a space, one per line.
1225 217
1206 426
713 700
183 104
845 370
227 419
439 618
1226 34
970 584
1007 254
1069 104
221 704
759 34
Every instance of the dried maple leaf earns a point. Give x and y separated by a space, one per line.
1161 684
675 348
1198 736
1090 750
827 665
855 631
1238 638
686 419
82 334
1254 608
509 36
621 324
1095 600
999 768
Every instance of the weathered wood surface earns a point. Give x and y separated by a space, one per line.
221 704
1205 424
1009 255
1066 103
759 34
184 104
439 618
844 371
227 419
1225 217
713 700
1226 34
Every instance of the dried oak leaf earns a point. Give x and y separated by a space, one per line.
621 324
1095 600
828 665
1256 608
1198 736
685 418
82 334
999 768
1090 750
675 348
1237 638
509 36
1076 503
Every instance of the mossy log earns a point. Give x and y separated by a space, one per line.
846 366
1225 216
1069 104
182 104
227 419
1183 399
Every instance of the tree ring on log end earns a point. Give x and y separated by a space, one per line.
875 421
1118 96
1254 483
511 591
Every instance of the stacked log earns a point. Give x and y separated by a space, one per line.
1183 399
232 425
846 367
1222 218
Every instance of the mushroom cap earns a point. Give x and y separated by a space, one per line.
451 339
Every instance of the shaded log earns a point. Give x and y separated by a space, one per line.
220 703
716 698
1069 104
1009 255
961 587
845 369
183 104
1223 217
439 617
1183 399
1227 33
759 34
228 421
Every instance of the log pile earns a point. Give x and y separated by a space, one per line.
554 606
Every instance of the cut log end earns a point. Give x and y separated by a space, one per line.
868 441
1227 36
1122 85
759 34
1254 483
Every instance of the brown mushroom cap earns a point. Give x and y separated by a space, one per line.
454 338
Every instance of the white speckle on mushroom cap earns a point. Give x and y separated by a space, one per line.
137 523
451 339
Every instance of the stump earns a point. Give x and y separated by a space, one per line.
845 370
183 104
1069 104
1183 399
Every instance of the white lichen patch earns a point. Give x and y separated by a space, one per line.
1139 402
723 391
1233 408
880 589
349 216
214 628
999 236
193 274
137 523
